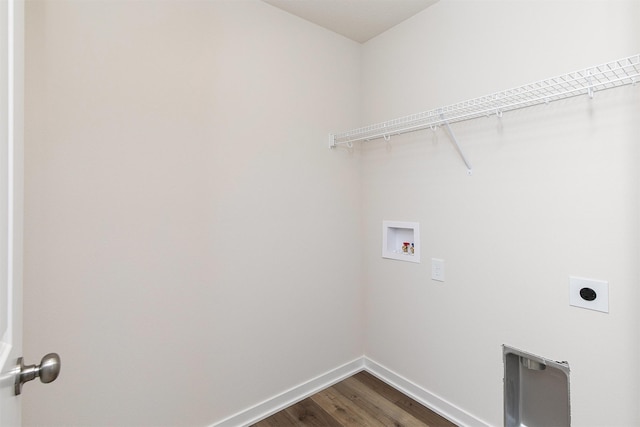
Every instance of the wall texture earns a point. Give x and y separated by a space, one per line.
191 242
554 192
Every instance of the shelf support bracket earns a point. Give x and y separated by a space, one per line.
455 142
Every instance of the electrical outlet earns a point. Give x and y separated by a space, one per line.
589 293
437 269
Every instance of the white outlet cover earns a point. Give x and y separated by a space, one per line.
601 288
437 269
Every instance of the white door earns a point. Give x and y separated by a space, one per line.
11 130
13 372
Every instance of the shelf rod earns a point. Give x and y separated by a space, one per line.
614 74
485 112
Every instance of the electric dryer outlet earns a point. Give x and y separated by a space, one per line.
589 293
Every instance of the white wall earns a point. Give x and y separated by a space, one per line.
554 192
191 242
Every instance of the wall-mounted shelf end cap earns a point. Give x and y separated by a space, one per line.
332 140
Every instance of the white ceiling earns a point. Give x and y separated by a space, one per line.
358 20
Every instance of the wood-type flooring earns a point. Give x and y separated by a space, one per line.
361 400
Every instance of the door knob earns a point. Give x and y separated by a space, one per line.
48 370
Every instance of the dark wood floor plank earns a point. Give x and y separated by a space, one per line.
309 413
344 410
361 400
379 408
279 419
409 405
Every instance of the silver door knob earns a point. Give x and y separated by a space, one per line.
48 370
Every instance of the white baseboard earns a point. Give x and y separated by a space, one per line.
432 401
277 403
291 396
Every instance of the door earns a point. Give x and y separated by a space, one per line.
13 372
11 130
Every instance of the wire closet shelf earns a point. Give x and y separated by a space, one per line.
613 74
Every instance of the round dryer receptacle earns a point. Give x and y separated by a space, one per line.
588 294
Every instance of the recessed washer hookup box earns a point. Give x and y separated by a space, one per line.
401 241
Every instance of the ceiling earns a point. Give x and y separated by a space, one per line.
359 20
